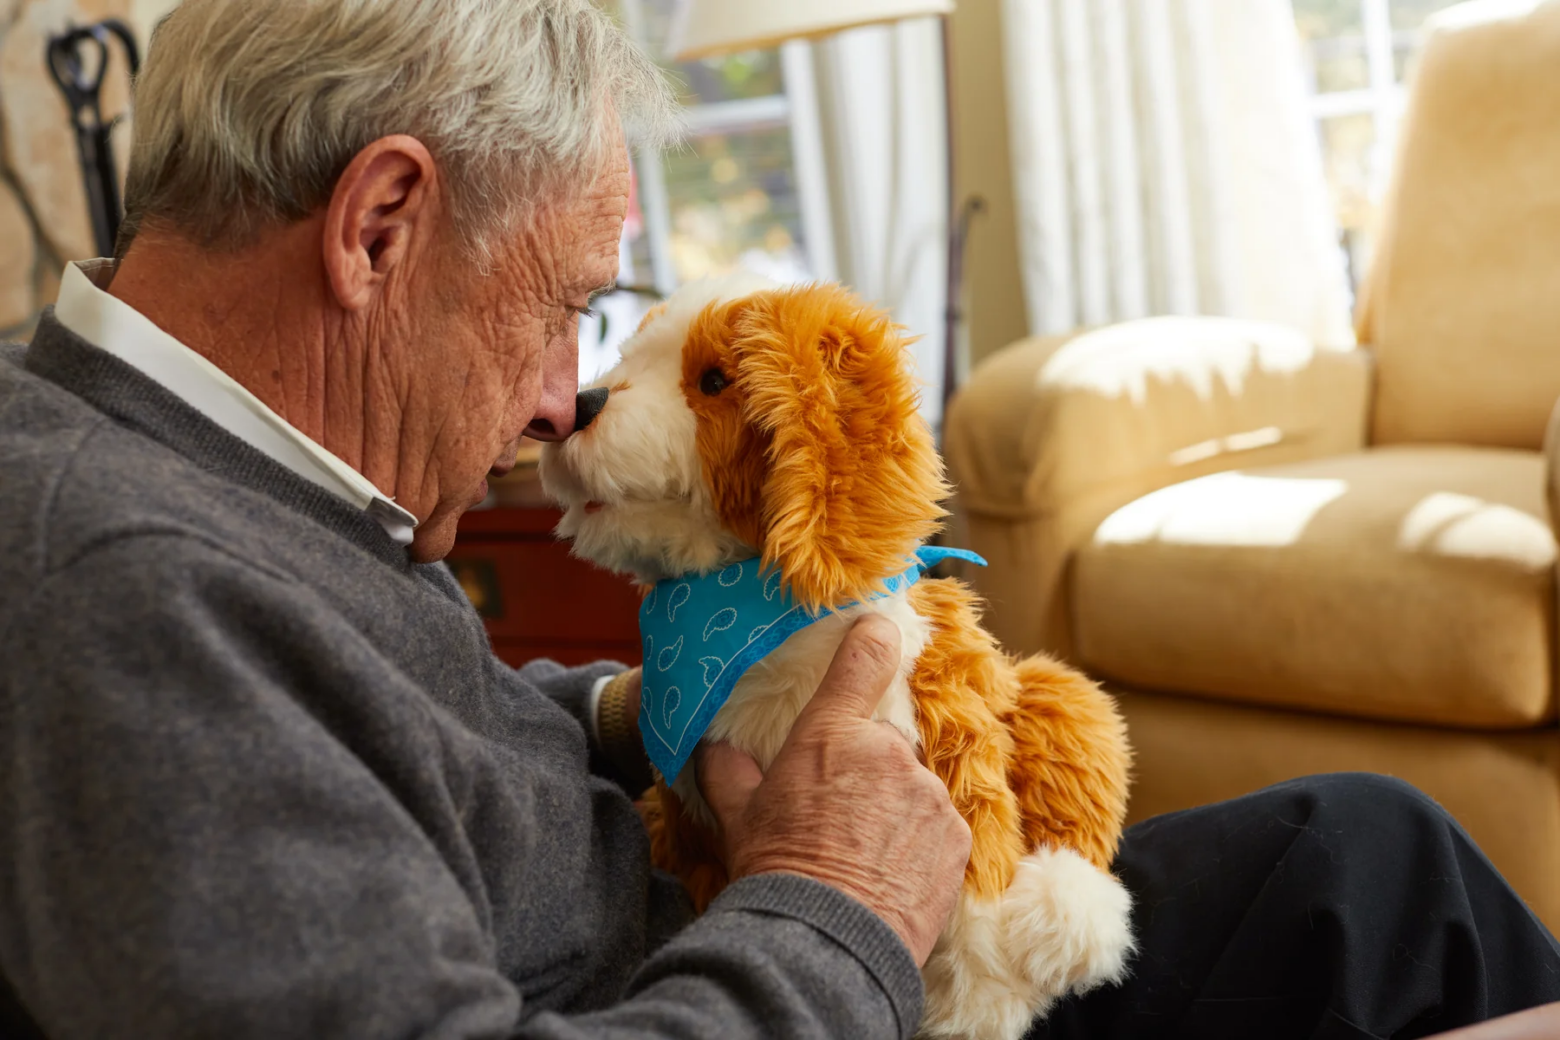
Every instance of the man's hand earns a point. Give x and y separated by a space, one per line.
845 801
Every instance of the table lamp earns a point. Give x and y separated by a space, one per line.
706 28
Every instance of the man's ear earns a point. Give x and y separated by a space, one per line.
381 209
854 480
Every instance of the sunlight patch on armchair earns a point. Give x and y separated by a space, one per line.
1251 440
1451 524
1201 354
1223 509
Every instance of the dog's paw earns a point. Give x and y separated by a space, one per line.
1067 922
1063 926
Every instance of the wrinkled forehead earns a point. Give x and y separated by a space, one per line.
579 238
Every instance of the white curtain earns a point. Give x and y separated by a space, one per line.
880 102
1165 163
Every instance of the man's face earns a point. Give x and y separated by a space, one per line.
498 353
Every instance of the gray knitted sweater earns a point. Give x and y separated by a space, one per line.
260 776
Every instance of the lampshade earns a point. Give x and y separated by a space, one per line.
705 27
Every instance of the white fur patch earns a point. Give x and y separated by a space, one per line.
639 460
1063 926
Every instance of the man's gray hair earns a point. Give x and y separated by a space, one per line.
247 111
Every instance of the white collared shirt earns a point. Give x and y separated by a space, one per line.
111 325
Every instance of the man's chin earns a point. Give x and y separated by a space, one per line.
435 536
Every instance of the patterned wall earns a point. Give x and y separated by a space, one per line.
43 210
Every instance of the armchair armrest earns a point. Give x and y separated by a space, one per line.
1052 435
1539 1023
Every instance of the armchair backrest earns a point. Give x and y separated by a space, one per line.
1462 304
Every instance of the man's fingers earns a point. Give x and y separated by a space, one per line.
727 778
861 670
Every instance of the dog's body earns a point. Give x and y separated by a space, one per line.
1034 755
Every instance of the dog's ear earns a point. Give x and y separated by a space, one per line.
853 480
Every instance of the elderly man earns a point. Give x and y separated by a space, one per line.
260 775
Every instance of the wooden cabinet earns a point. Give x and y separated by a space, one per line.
537 600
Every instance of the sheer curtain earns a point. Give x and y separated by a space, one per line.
1165 163
880 103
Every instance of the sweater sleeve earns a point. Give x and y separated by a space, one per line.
572 689
205 837
578 691
774 956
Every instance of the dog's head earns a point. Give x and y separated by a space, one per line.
781 423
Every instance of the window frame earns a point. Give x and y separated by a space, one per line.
797 109
1384 99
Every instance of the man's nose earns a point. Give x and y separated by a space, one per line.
554 418
587 405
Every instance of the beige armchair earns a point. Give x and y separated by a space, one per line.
1290 559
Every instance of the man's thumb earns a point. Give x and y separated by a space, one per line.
727 778
861 670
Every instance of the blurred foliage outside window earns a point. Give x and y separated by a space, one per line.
734 204
731 189
727 197
1358 57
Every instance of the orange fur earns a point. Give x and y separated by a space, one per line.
965 691
684 847
1072 761
815 454
650 315
732 449
835 473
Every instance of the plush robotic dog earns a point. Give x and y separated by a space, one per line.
761 467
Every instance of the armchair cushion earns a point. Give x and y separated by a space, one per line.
1051 435
1409 583
1146 403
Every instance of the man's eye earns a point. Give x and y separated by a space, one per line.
712 382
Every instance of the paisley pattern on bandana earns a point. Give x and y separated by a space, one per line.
701 634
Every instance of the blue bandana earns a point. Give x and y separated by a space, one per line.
701 635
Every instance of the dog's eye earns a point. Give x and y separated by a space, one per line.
712 382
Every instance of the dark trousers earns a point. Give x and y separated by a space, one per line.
1344 906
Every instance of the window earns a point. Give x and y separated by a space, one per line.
746 190
1358 56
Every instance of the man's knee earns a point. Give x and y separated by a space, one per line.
1369 790
1368 801
1378 817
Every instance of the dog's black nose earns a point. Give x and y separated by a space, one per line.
587 405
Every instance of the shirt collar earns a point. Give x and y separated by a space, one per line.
113 326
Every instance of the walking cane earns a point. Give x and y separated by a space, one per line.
81 82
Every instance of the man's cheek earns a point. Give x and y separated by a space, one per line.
564 357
